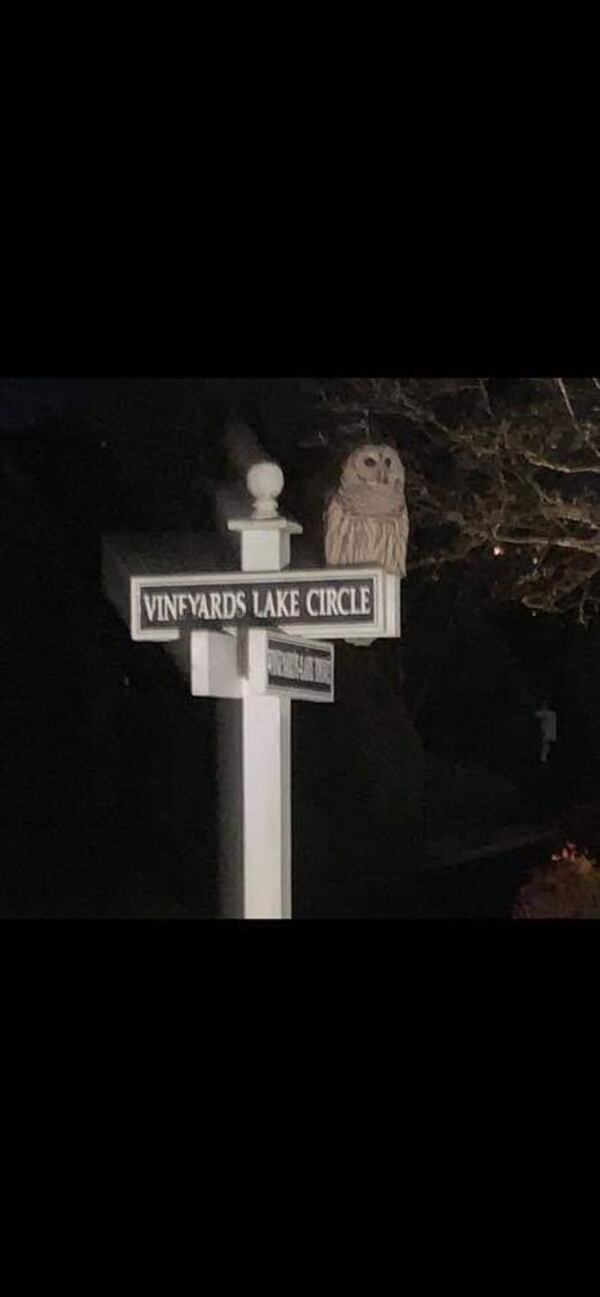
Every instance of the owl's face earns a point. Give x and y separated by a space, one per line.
378 467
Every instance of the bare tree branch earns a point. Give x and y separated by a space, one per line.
507 481
561 384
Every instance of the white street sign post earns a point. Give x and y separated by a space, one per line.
256 879
256 642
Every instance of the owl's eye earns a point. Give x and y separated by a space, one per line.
370 462
387 461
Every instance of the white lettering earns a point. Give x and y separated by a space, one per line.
229 605
285 603
215 605
263 602
150 605
313 593
273 662
323 671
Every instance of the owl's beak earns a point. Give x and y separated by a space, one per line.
382 475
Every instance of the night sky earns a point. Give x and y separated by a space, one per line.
22 398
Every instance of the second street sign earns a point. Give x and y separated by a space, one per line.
299 668
293 668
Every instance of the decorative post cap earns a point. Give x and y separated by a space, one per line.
265 484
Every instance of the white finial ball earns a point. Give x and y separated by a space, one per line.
265 484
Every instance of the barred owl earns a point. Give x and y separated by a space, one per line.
366 521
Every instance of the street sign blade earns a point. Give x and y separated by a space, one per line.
326 603
292 668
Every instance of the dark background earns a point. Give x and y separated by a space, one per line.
109 765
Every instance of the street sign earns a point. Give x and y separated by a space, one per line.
321 603
292 668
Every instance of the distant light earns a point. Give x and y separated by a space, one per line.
535 560
498 550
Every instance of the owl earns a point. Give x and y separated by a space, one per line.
366 521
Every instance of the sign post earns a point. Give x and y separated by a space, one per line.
265 866
256 642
